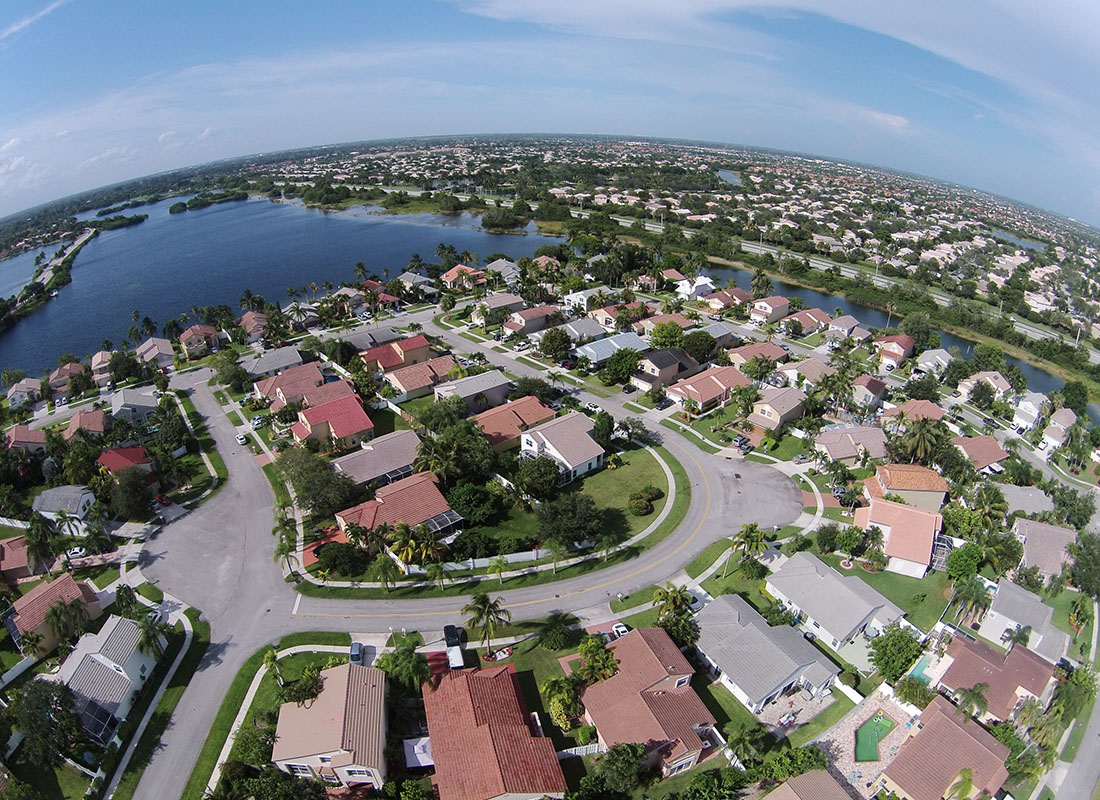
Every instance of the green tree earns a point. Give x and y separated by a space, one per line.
43 712
405 665
620 366
700 345
569 519
666 334
486 614
894 651
538 477
969 593
598 663
555 344
761 284
990 506
671 599
981 396
1075 395
271 663
972 701
750 541
151 630
623 766
385 571
963 562
603 428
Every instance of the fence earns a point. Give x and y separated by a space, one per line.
583 750
14 523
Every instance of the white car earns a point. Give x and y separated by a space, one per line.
619 630
242 439
595 409
76 552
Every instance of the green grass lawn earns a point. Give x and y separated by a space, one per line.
50 784
730 715
235 418
9 656
99 576
634 599
736 583
512 522
387 421
1077 735
788 448
150 592
278 485
705 446
221 397
823 721
1062 605
611 488
922 600
418 404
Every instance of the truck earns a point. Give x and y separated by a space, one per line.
452 637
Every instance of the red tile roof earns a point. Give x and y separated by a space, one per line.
31 608
981 450
345 416
977 662
411 500
709 385
253 322
22 434
451 275
912 532
481 742
327 392
426 373
505 423
292 381
909 478
392 354
123 457
13 554
916 409
90 421
203 332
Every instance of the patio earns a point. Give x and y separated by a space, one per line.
858 654
839 743
799 706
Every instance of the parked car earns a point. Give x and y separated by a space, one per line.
76 552
662 404
839 491
522 346
569 364
163 499
260 421
355 655
695 604
619 630
595 409
242 439
715 317
746 448
740 439
452 635
1020 431
629 387
801 458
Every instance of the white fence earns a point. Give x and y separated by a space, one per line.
14 523
584 750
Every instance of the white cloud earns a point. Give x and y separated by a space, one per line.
21 25
165 136
10 144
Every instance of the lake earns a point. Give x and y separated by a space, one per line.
16 272
1027 244
172 262
729 177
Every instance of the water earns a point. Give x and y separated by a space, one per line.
172 262
1028 244
16 272
918 670
729 177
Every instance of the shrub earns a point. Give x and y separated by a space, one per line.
342 559
849 679
585 734
753 569
649 492
639 506
826 538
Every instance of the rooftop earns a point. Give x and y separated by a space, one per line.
977 662
392 453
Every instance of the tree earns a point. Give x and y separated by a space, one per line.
681 628
274 784
981 396
598 663
972 701
1075 395
43 712
287 551
750 541
317 487
623 766
271 664
620 366
473 502
253 744
151 629
699 345
538 477
1018 636
964 561
437 572
990 506
39 539
533 387
666 334
385 571
570 519
758 368
555 344
405 665
306 688
963 787
761 284
969 593
556 633
602 429
894 651
131 495
849 541
923 438
671 599
486 614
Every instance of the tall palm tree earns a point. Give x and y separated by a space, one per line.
761 284
671 600
39 540
486 614
58 619
963 786
1018 636
385 571
991 506
972 701
271 662
970 594
287 551
891 309
437 573
436 457
151 629
922 439
498 566
750 541
30 643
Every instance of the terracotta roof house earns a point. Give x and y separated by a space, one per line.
23 437
101 367
253 323
777 406
482 391
394 355
417 380
739 356
23 391
892 350
662 367
121 458
909 534
1011 677
812 320
504 424
1045 546
341 736
375 294
531 320
645 326
816 785
1013 608
547 264
343 419
157 351
672 275
326 392
198 340
415 500
599 351
709 388
994 380
495 308
568 440
16 561
849 445
808 373
288 385
728 298
834 607
912 410
983 451
484 743
939 748
28 613
758 662
769 309
60 377
92 422
868 391
918 486
650 701
381 460
608 316
462 277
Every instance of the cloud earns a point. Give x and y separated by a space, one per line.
21 25
165 136
110 155
10 144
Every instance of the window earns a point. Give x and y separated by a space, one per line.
301 770
326 759
682 682
356 772
680 767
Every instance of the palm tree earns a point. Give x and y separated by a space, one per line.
972 701
38 538
990 505
385 571
750 541
498 566
671 600
922 439
962 788
1018 636
286 550
761 284
271 663
746 744
405 665
437 573
486 614
30 643
436 457
558 549
151 629
1080 615
65 523
891 309
970 594
58 619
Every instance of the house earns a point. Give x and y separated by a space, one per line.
198 340
710 388
645 327
918 486
290 385
815 785
1014 607
22 437
105 672
133 406
253 323
101 367
694 288
894 349
394 355
1045 546
484 743
568 440
868 392
769 309
366 339
377 295
495 308
1011 678
339 737
851 445
29 612
807 374
994 380
983 451
504 424
608 316
659 368
1054 436
723 333
934 362
326 392
530 320
728 298
756 661
461 277
833 607
415 282
417 380
342 420
811 321
1029 410
546 265
776 407
156 351
16 561
75 501
912 410
301 315
908 534
672 275
381 460
347 299
599 351
415 500
507 270
120 458
739 356
940 746
60 377
650 701
579 331
25 391
271 362
481 391
579 301
843 326
95 423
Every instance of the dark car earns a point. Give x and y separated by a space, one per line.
569 364
629 387
662 404
452 635
746 448
355 655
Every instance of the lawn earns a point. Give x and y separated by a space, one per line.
418 404
736 583
235 418
9 656
922 600
1077 735
611 488
512 523
706 447
278 485
1062 605
788 448
634 599
100 576
50 784
823 721
151 593
730 715
387 421
701 562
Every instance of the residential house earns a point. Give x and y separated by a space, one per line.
777 406
843 325
650 701
418 380
156 351
728 298
546 265
462 278
480 392
75 501
934 362
326 392
708 389
198 340
25 391
608 316
868 392
415 282
101 367
918 486
95 423
769 309
29 612
739 356
120 458
812 320
394 355
579 331
645 327
1045 546
484 743
495 308
672 275
342 420
133 406
60 377
507 270
694 288
1010 678
579 301
415 500
599 351
807 374
271 362
24 438
1013 608
659 368
994 380
908 533
912 410
941 745
835 608
253 323
348 300
16 561
289 386
1029 410
504 424
815 785
105 672
531 320
1054 436
568 440
893 350
301 315
381 460
339 737
759 663
723 333
377 295
852 445
375 336
984 452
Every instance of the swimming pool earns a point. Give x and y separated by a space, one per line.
918 670
869 734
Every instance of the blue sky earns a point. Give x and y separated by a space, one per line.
990 94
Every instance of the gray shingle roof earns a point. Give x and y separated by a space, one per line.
272 361
571 436
390 453
60 498
601 350
472 385
1027 609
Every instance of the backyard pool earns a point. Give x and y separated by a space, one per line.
869 734
918 670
